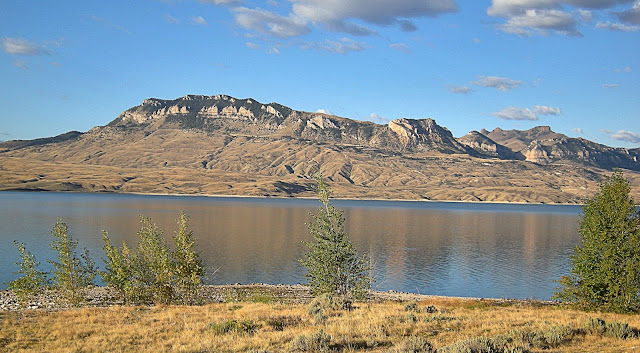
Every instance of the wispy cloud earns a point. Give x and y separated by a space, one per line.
616 26
378 118
340 46
171 19
625 135
545 110
401 47
222 2
198 21
610 85
270 23
459 89
21 64
624 69
19 46
517 113
323 111
578 130
503 84
253 45
110 24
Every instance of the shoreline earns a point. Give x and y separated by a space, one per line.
104 297
262 197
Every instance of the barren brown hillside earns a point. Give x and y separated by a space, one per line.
226 146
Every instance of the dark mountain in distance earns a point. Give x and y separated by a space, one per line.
223 145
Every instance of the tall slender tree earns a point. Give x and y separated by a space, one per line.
605 272
333 266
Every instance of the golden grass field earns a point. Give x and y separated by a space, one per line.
387 326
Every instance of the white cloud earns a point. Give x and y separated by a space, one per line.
631 16
373 117
19 46
459 89
544 110
503 84
198 21
517 113
252 45
338 15
341 46
625 135
527 17
610 85
578 130
477 40
400 46
614 26
624 69
270 23
541 21
323 111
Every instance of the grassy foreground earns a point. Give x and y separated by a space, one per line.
266 326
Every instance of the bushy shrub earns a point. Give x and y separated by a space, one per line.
152 272
33 281
315 342
415 344
248 327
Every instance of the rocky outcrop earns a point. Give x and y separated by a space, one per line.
425 134
485 146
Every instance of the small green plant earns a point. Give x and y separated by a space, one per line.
474 345
70 271
332 263
279 323
33 281
315 342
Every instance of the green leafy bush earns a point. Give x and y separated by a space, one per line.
316 342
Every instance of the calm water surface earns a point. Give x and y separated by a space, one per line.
454 249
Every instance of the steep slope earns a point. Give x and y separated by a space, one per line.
541 145
223 145
485 146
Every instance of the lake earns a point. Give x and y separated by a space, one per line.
440 248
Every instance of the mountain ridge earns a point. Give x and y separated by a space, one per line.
269 149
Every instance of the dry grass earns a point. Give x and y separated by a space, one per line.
370 327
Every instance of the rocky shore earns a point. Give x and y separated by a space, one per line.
96 296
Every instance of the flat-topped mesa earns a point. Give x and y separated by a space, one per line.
200 106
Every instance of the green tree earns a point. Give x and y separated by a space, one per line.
332 264
186 260
70 271
33 281
152 272
154 262
605 271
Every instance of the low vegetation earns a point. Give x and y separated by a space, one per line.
457 325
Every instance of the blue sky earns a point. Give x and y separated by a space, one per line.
572 64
